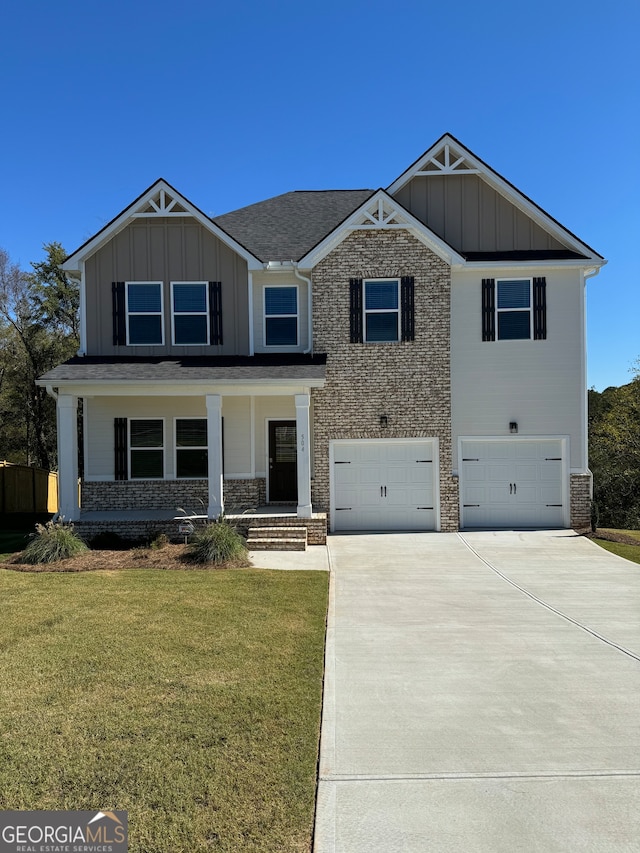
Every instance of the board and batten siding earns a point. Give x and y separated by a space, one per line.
538 384
166 250
260 280
471 216
99 432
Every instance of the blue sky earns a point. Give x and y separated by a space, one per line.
236 102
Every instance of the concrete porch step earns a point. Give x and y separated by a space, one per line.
277 539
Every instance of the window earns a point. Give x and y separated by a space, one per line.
144 313
190 312
191 448
381 311
146 449
513 309
281 316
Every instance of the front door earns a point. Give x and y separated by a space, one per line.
283 473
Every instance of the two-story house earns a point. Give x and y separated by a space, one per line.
409 358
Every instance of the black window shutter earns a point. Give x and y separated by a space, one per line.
540 309
407 305
355 304
119 318
215 313
120 444
488 309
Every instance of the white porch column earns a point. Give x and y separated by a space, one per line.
67 416
304 456
214 430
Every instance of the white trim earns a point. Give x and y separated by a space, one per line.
85 438
215 460
565 442
252 433
176 448
204 313
584 408
83 310
230 388
267 421
520 266
163 449
67 429
366 311
498 311
500 185
160 284
280 347
303 455
250 304
136 210
364 218
433 440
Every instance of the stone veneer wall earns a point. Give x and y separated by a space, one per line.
408 381
191 495
580 497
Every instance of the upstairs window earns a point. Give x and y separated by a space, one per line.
381 311
144 313
281 316
191 448
190 313
146 448
513 309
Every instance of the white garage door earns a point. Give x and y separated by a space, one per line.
384 485
517 483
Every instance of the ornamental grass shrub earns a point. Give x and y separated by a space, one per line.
219 544
52 542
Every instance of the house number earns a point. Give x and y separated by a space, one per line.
301 442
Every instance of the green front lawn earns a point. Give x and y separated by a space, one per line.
190 699
629 552
625 546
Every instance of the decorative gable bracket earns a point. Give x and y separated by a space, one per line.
447 161
381 213
162 204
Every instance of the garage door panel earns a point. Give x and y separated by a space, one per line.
498 473
523 483
386 487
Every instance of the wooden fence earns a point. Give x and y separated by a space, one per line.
26 489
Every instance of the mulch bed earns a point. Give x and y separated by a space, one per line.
608 536
169 557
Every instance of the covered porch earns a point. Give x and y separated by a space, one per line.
170 438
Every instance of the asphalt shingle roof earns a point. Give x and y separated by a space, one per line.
189 369
286 227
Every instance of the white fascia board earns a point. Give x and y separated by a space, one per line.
264 388
413 225
523 266
134 212
504 189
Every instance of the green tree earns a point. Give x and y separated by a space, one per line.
614 453
38 330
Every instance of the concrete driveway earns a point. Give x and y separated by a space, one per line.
482 693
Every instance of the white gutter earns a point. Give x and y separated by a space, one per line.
51 392
309 308
83 310
586 274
